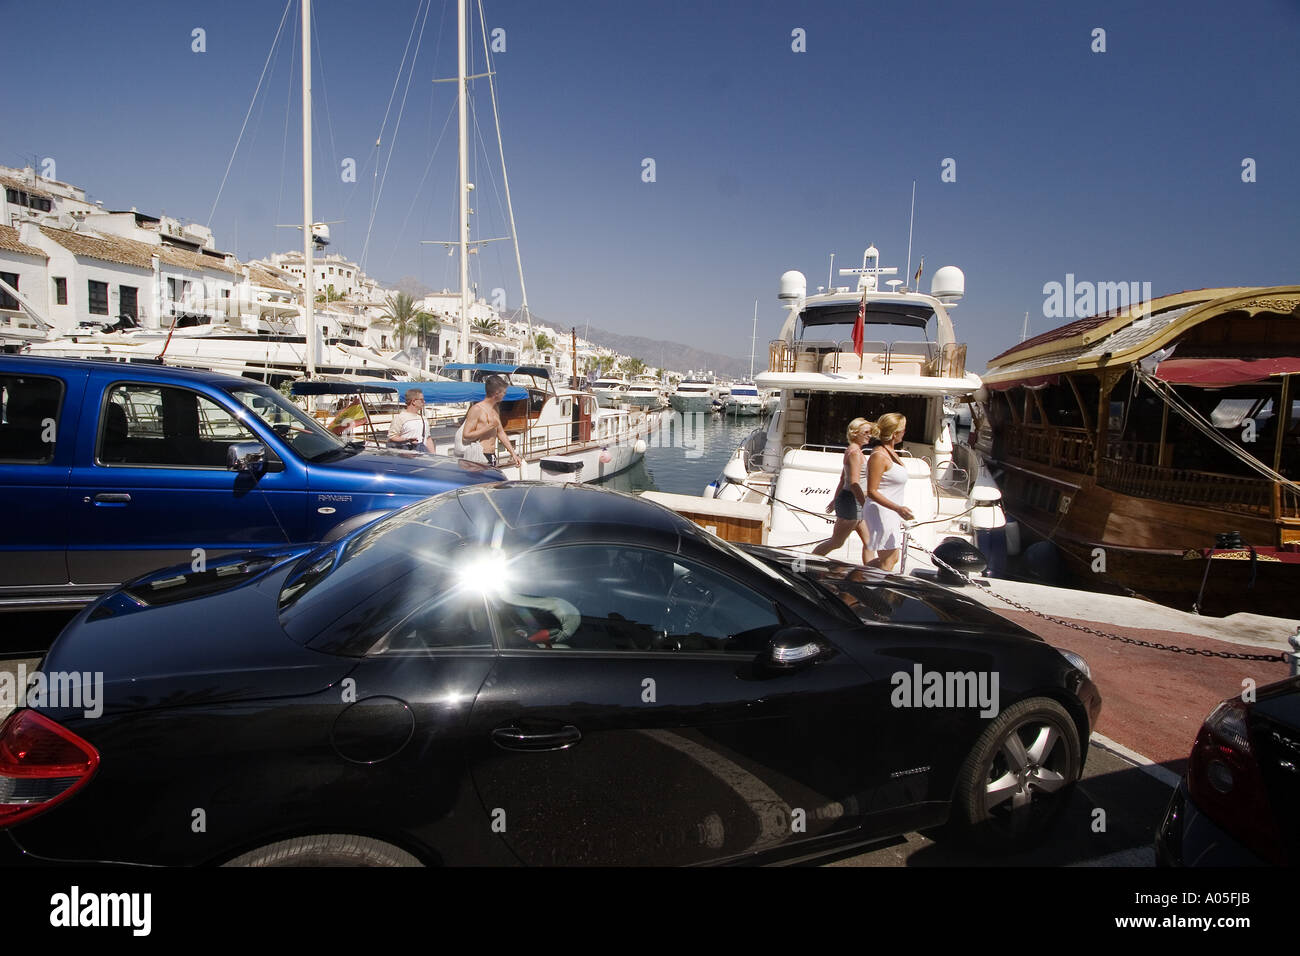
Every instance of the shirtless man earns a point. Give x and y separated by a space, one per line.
483 426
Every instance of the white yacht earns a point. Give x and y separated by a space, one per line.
610 391
645 391
694 395
784 474
744 400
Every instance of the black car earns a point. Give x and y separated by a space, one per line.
1236 804
541 674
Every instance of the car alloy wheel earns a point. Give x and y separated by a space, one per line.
1019 775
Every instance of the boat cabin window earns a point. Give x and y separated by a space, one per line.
829 414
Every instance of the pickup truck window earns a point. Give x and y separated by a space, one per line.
294 426
29 416
164 425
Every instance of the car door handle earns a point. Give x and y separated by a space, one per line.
107 498
512 738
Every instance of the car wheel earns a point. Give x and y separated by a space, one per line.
327 849
1019 775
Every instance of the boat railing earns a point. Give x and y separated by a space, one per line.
560 438
1139 452
1069 448
1233 493
882 358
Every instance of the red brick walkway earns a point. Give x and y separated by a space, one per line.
1155 701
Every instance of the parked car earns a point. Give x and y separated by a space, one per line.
110 470
543 674
1236 804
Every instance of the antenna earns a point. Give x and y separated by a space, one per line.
911 218
830 276
1024 329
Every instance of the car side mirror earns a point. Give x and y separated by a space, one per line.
793 647
246 456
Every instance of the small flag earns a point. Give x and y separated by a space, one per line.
859 327
916 279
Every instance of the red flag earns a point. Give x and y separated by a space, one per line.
859 327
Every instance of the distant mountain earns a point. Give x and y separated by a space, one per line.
412 286
656 353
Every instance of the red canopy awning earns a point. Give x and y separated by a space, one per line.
1222 372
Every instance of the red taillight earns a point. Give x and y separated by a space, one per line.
41 765
1224 781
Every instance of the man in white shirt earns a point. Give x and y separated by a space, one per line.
408 429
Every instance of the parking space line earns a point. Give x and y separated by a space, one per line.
1143 763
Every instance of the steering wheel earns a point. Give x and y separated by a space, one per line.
689 600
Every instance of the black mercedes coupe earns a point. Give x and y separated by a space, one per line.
540 674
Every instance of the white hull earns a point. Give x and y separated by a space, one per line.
692 403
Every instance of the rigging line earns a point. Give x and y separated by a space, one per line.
288 103
319 60
249 112
420 188
365 248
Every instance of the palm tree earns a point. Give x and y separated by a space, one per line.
485 326
543 342
400 310
632 367
329 295
424 323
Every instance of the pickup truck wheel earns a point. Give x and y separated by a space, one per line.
327 849
1019 776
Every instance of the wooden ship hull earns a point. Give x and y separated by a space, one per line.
1140 442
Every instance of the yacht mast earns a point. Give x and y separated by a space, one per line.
309 273
464 183
753 341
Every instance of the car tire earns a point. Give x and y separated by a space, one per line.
1018 777
327 849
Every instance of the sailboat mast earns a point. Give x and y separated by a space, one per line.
753 341
309 272
464 182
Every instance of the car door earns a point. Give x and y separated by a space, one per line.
151 487
38 426
626 720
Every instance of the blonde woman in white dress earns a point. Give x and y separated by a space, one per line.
884 511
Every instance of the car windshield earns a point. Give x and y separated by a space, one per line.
308 439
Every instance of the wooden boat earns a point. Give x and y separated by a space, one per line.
1143 441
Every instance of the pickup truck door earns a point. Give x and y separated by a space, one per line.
151 488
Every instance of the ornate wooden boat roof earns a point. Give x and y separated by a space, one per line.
1126 335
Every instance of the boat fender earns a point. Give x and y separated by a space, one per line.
606 456
640 446
1043 561
1013 537
962 556
993 543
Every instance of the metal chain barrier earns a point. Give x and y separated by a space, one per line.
1203 652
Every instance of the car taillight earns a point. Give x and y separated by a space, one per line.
1224 781
41 765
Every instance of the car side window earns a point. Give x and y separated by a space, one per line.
613 598
29 418
453 620
167 426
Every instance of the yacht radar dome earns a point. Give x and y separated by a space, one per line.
948 284
793 285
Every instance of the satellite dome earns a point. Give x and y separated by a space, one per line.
793 285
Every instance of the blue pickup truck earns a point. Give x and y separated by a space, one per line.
110 470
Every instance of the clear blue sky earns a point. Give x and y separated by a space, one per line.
1116 166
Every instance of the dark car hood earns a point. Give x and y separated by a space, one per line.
226 646
384 464
876 597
